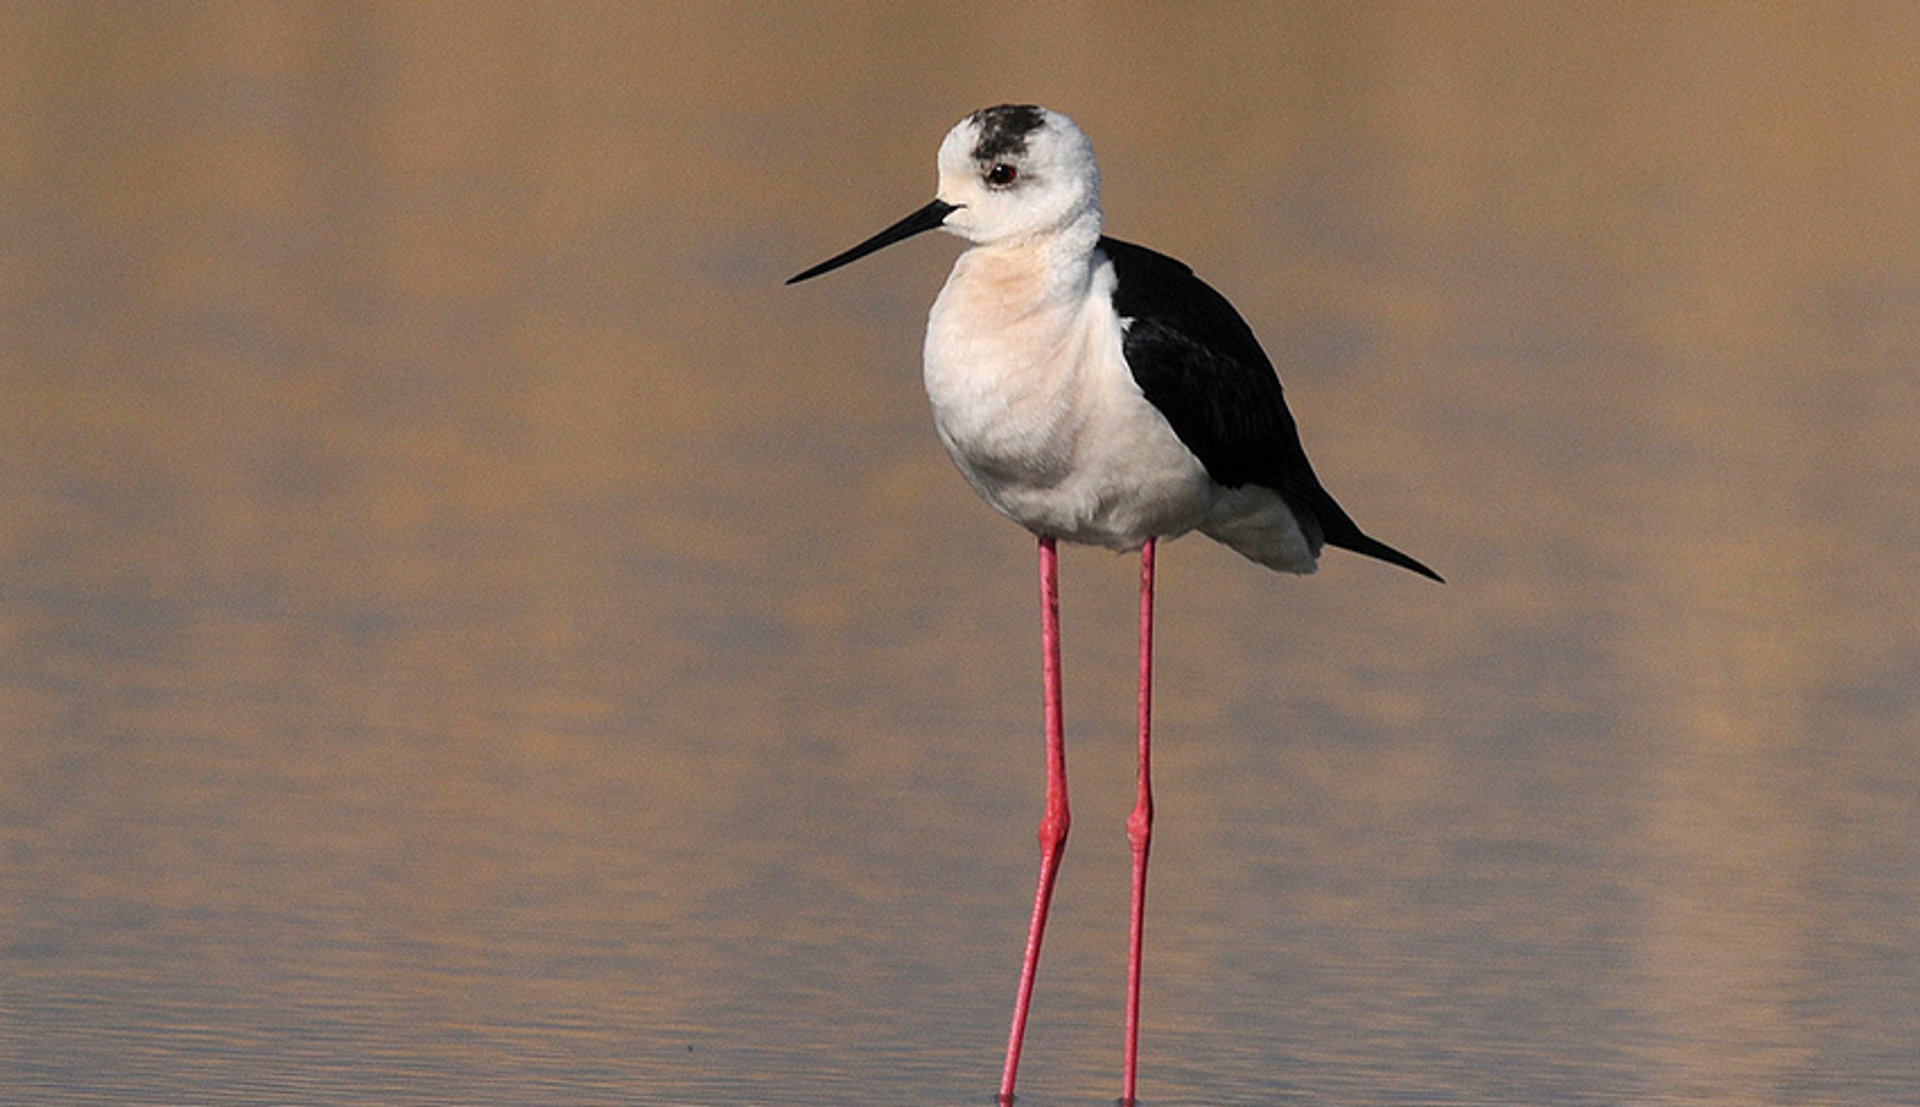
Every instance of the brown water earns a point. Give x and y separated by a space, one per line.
469 635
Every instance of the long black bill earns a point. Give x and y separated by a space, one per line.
925 219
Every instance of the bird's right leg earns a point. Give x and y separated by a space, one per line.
1139 831
1054 822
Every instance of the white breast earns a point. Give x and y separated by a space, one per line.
1033 399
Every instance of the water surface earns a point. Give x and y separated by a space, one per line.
469 635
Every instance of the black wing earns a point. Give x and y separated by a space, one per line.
1200 364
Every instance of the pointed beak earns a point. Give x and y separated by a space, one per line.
925 219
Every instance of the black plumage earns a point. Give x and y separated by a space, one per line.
1198 362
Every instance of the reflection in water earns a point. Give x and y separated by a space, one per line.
467 634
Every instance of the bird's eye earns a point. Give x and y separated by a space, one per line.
1001 175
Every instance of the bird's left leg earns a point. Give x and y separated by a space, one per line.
1055 820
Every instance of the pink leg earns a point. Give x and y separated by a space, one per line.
1139 829
1054 822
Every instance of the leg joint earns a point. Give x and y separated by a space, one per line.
1053 829
1140 825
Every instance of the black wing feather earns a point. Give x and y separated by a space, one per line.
1199 363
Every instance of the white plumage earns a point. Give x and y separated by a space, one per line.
1030 388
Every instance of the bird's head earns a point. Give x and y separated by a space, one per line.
1015 172
1007 174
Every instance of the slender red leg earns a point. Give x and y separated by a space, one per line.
1139 828
1054 822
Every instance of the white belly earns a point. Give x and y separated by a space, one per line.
1042 416
1035 403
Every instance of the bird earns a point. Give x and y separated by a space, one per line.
1097 392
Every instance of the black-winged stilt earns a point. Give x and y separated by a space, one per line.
1095 391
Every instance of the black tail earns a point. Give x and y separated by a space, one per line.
1339 529
1373 547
